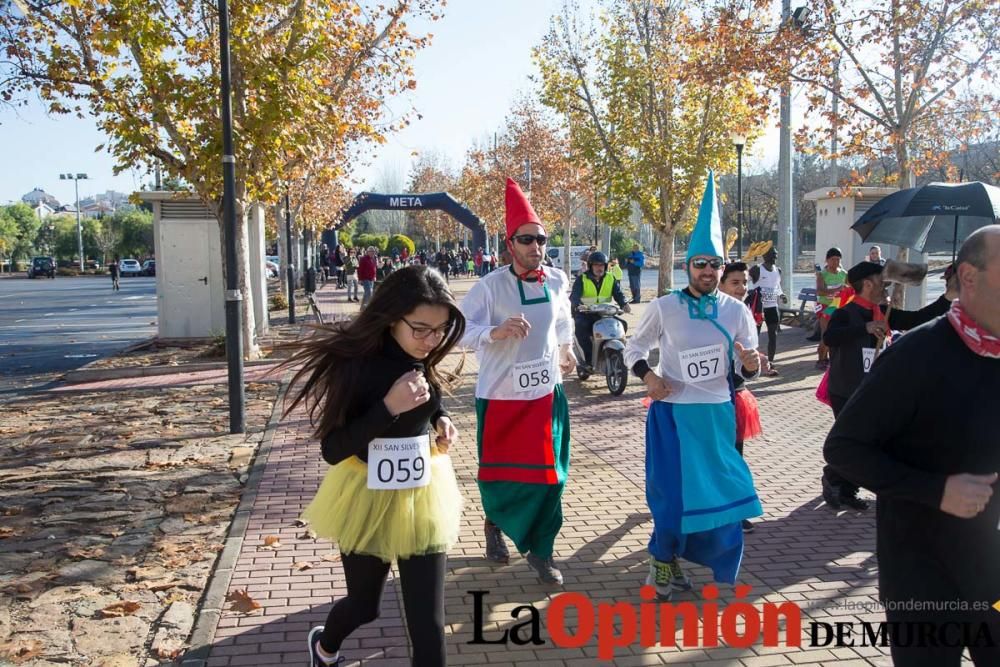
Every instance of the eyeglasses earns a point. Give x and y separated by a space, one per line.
701 263
528 239
423 332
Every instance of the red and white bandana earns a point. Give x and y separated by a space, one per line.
975 337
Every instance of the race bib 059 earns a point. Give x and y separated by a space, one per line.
395 464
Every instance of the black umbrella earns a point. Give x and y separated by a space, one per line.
931 218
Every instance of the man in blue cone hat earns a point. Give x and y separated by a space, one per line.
698 488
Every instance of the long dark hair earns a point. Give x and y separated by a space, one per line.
331 358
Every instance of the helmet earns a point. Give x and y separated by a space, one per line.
597 257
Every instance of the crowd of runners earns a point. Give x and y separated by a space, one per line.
915 423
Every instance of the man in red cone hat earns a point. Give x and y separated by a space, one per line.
519 322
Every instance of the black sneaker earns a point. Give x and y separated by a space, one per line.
831 495
546 569
747 526
854 502
314 659
496 545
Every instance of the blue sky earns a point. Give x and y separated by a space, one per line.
478 63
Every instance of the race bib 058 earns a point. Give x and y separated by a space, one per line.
532 375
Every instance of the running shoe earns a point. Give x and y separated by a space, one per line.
546 569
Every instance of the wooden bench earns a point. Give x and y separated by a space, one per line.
803 316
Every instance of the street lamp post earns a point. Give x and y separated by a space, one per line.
234 298
739 140
79 227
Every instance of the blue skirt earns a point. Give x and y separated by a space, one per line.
698 487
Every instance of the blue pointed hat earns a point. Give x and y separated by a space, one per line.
706 239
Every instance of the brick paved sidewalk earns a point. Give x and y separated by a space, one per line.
801 551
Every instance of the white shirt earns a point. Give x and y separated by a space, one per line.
687 343
769 283
499 296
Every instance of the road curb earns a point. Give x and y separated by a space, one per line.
82 375
211 605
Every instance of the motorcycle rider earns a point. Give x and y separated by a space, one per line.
595 285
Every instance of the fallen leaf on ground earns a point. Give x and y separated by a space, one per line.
242 602
333 558
272 542
21 650
307 535
77 552
163 585
168 653
6 531
125 608
303 565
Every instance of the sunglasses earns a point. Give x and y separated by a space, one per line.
701 263
528 239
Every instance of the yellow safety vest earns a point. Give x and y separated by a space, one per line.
616 272
590 295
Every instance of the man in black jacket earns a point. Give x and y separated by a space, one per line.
921 432
855 335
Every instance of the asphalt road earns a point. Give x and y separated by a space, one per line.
52 326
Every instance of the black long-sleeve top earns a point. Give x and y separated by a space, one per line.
367 417
927 410
846 336
576 294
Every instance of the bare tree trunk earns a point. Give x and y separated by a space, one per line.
665 281
279 218
251 350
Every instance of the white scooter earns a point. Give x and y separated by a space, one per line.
608 353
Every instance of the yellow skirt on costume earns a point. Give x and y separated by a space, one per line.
387 524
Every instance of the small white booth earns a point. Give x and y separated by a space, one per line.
836 212
190 282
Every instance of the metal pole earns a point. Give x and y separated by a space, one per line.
785 242
234 298
739 201
290 269
79 226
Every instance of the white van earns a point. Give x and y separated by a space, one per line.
576 252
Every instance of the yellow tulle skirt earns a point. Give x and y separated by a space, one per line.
387 524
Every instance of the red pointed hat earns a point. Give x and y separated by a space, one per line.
519 211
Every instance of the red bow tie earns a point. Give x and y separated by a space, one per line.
538 274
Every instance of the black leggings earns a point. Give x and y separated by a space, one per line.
422 581
847 488
773 322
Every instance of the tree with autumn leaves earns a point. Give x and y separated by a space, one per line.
915 81
309 85
651 99
560 187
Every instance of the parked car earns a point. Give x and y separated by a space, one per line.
272 268
149 267
129 267
42 266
